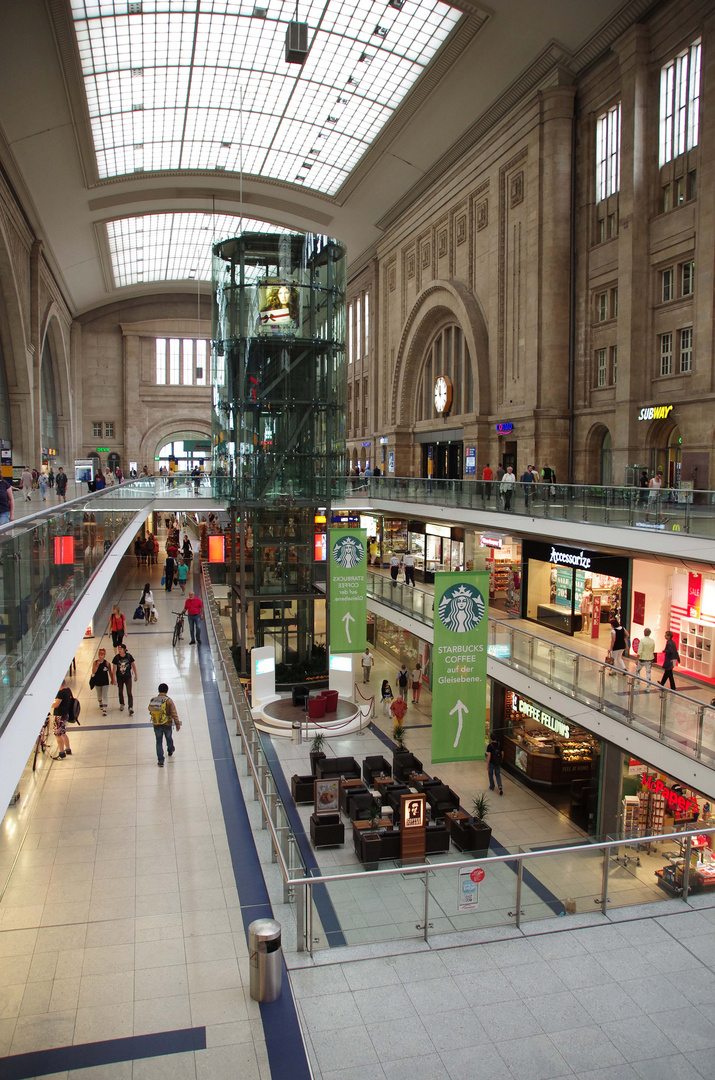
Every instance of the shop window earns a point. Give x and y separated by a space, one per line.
160 362
601 306
601 367
686 350
109 430
666 354
97 429
608 153
666 285
687 278
680 103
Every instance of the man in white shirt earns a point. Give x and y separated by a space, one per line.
394 568
506 486
654 486
646 655
408 562
366 664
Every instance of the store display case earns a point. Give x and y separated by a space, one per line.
696 647
551 759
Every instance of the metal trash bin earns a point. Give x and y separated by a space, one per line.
297 732
265 957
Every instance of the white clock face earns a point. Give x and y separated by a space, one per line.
441 394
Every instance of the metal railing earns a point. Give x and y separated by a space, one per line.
671 510
670 716
425 894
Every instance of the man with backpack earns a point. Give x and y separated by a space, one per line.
61 484
66 711
494 763
548 479
163 715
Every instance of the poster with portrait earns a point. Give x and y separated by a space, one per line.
327 796
278 309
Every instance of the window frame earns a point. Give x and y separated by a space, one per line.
97 429
666 339
608 153
679 103
685 351
108 429
601 368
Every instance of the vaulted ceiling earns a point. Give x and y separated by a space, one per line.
135 133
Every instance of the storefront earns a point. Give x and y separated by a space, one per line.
442 454
667 597
435 547
402 647
555 578
503 561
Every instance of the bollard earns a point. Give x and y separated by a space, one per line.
265 956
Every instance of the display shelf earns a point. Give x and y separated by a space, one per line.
697 652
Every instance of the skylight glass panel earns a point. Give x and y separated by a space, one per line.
172 247
179 84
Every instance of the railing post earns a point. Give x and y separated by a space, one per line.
699 739
300 917
519 879
663 709
686 868
426 930
604 879
531 654
631 686
602 688
576 666
552 662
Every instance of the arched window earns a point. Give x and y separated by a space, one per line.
446 355
48 402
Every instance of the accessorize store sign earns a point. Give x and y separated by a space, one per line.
348 590
459 665
570 558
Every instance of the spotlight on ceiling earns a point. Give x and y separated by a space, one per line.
296 43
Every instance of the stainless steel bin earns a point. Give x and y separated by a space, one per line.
265 957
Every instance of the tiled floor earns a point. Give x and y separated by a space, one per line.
122 915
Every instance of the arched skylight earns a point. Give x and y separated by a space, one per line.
181 84
172 247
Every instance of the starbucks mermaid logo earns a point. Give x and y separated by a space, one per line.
461 608
348 552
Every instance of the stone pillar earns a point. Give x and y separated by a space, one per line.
552 393
72 445
635 363
34 444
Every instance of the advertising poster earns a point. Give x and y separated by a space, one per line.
279 309
459 665
468 888
327 796
470 461
595 617
348 590
563 586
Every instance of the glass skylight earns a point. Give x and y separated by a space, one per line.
181 84
172 247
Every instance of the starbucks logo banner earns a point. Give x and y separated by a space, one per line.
459 666
348 590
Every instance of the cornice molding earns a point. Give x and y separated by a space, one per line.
197 194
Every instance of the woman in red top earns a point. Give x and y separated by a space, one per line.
117 627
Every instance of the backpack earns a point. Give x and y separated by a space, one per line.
139 612
75 710
158 711
495 753
402 678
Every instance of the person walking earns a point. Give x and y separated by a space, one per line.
125 665
398 709
619 644
385 696
366 661
416 680
394 568
102 675
182 574
43 484
117 626
169 571
61 484
402 682
500 472
506 486
26 483
408 561
494 762
671 657
163 716
147 602
62 706
646 655
527 484
194 608
7 501
654 488
51 478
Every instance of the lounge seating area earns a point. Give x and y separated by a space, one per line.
337 767
373 766
441 800
404 764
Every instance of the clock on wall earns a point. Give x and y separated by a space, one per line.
442 393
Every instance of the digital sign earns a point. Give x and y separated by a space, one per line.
505 428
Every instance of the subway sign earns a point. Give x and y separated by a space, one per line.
655 412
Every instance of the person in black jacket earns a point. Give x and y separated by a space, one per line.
671 657
494 763
102 674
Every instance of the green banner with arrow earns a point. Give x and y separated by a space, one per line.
348 590
459 665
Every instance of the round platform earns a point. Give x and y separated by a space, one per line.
278 717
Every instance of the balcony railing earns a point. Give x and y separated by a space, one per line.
675 719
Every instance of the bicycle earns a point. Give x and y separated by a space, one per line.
43 741
178 626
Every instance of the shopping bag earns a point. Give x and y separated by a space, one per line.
609 660
163 579
139 612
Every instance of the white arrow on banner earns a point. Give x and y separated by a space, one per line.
460 708
347 619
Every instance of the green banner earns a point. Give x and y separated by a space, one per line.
459 666
348 590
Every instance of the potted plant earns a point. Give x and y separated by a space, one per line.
316 751
374 813
481 831
399 736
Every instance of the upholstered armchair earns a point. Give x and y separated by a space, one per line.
358 805
326 830
302 788
373 766
441 799
404 763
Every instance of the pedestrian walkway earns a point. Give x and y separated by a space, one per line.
123 924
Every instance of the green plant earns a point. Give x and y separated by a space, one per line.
316 746
480 808
399 736
374 812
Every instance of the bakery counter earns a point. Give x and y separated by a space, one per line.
544 767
